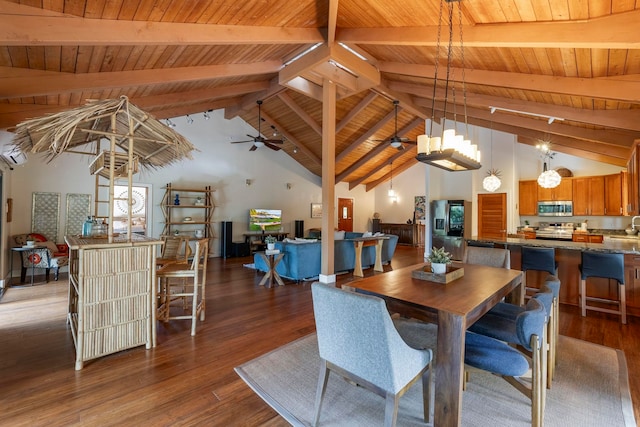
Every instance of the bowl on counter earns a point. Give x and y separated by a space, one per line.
630 231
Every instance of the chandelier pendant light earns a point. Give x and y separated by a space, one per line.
450 151
392 194
549 178
492 182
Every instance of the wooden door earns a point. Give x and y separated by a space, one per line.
345 214
492 216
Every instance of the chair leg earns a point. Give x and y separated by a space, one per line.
23 274
427 391
46 274
322 387
391 410
583 297
194 306
56 273
623 302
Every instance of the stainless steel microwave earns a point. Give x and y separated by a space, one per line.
555 208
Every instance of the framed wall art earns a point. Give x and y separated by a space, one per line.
316 210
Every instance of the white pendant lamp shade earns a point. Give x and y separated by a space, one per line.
491 183
549 179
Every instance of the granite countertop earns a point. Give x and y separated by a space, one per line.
626 245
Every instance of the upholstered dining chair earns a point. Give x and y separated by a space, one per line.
174 285
48 255
501 323
493 257
358 340
495 356
607 266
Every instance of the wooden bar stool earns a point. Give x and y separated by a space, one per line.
607 266
537 259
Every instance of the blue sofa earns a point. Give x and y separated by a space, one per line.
302 260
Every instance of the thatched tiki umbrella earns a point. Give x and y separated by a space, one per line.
136 140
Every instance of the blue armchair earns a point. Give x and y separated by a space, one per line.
358 340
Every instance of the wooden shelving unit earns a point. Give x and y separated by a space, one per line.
196 203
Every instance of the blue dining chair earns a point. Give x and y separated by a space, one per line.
501 323
357 340
538 259
498 357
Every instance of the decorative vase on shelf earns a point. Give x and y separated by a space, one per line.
177 200
438 268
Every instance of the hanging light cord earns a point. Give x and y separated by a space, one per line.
435 75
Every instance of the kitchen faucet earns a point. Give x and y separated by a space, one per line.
633 222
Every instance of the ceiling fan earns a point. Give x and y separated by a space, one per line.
395 141
260 141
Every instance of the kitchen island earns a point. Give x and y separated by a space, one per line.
568 256
111 294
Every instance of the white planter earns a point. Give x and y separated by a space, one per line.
271 246
438 268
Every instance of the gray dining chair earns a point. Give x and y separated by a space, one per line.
493 257
498 357
357 340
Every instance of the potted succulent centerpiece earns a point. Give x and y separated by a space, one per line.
271 242
439 258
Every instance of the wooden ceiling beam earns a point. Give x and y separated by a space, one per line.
182 110
366 135
396 170
38 30
57 83
620 119
373 153
607 32
292 139
332 21
364 103
284 97
578 152
603 88
249 101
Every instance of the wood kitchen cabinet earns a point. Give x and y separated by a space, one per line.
528 197
587 238
615 194
564 191
588 196
633 193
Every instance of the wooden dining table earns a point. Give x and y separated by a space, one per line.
453 306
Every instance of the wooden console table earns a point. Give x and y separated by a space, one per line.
359 243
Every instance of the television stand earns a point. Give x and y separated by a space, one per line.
255 240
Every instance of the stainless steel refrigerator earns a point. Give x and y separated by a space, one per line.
451 225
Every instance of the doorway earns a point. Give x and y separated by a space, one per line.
492 216
345 214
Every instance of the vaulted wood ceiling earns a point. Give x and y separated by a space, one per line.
578 60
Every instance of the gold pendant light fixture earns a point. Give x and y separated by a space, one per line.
451 151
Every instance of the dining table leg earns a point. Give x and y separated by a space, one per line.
449 368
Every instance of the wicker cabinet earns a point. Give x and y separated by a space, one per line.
187 210
111 294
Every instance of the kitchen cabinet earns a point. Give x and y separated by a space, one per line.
528 197
615 194
588 195
633 193
407 233
631 282
564 191
587 238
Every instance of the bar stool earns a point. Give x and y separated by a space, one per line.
538 259
607 266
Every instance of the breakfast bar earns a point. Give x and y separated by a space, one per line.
568 256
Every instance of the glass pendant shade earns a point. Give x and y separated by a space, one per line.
549 179
491 183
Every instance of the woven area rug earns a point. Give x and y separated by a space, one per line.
590 389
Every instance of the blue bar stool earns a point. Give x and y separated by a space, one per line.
607 266
538 259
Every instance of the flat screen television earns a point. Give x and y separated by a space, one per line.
265 219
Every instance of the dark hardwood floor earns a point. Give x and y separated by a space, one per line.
186 380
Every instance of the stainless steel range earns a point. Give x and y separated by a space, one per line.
555 230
